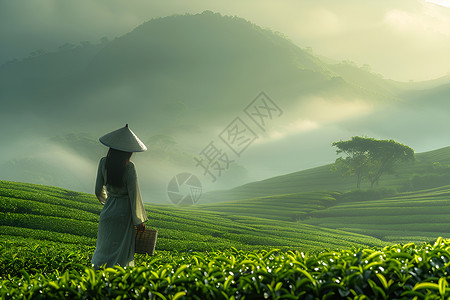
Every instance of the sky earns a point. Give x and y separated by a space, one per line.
402 40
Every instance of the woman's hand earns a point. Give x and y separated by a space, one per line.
141 227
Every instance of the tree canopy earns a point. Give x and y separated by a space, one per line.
368 158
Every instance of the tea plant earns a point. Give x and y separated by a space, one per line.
394 272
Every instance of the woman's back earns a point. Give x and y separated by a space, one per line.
123 207
127 176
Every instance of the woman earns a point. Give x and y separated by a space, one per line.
123 207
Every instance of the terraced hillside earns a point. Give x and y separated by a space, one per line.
48 213
307 221
35 262
419 216
430 169
407 217
284 207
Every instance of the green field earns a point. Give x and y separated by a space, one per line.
338 244
314 245
59 215
305 221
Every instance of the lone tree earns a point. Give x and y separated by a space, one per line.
368 158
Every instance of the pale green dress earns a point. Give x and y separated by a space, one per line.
123 208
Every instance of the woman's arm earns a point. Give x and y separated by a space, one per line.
141 227
137 206
100 191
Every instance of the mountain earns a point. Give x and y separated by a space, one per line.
169 72
187 77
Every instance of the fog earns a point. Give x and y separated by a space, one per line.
299 139
50 125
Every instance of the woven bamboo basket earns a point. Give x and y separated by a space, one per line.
145 241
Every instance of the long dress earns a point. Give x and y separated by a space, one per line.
123 208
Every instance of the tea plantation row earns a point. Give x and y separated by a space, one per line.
413 216
37 270
49 213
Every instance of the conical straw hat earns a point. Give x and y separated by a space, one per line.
123 139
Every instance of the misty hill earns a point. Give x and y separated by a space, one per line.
174 71
65 160
41 83
430 169
187 77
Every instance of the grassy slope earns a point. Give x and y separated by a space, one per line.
422 214
64 216
419 216
283 207
413 216
322 179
